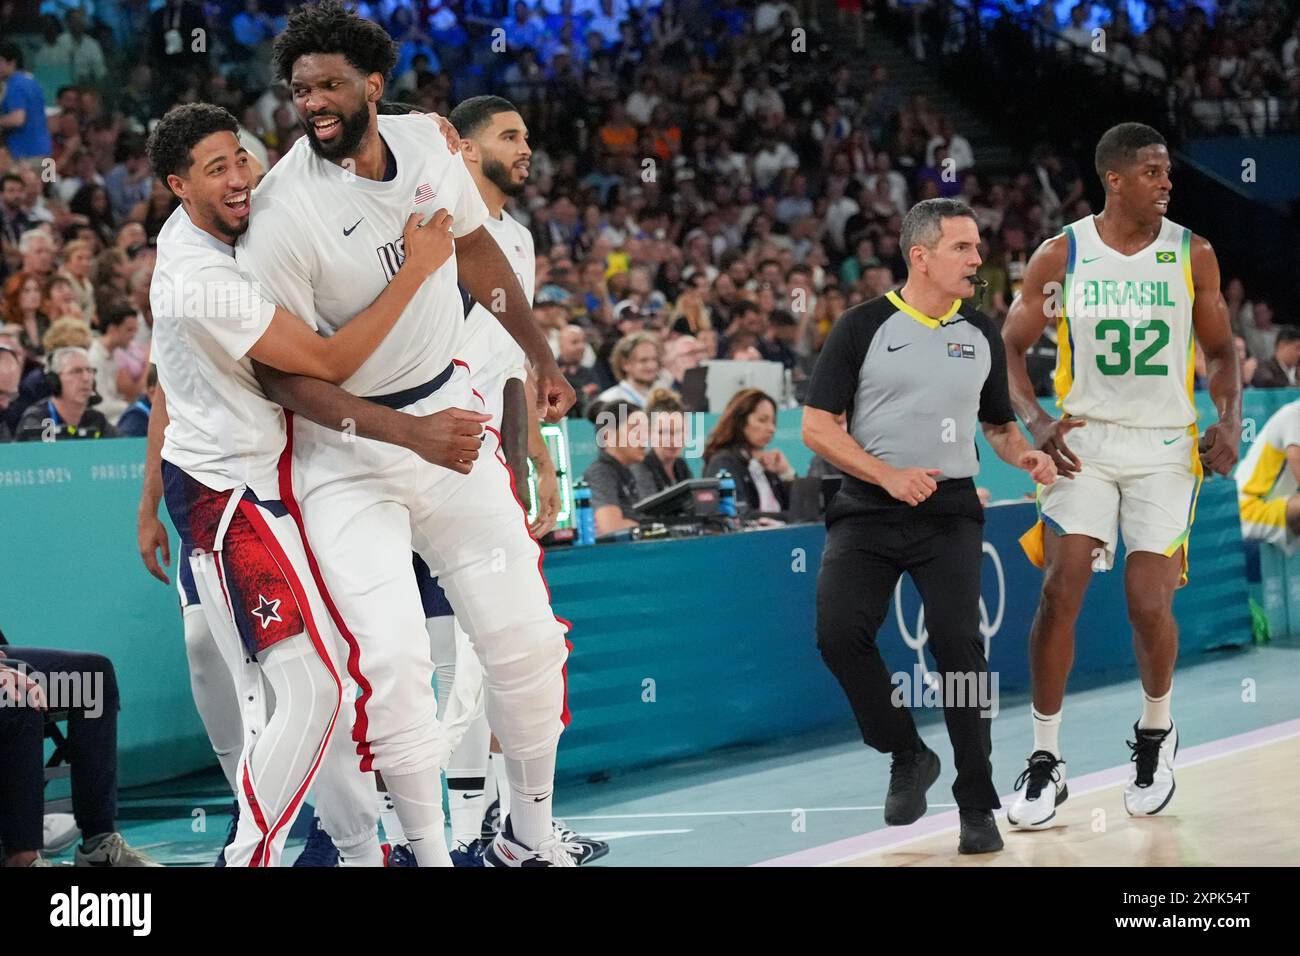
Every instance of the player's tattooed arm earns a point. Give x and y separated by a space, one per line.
290 345
486 274
450 438
150 533
1222 440
1039 302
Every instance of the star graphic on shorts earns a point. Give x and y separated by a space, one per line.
267 611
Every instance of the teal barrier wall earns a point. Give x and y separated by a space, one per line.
684 646
1005 482
71 578
723 626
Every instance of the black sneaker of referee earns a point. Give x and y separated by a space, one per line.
979 832
912 772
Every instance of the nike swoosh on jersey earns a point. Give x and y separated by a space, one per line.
348 232
895 348
1171 441
1093 259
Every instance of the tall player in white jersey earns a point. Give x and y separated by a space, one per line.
494 142
325 238
219 462
1131 292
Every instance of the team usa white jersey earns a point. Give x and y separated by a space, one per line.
486 347
324 242
1125 337
223 430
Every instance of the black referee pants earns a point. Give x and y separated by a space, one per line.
863 560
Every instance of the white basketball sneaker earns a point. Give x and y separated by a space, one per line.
60 831
553 850
1151 786
1041 790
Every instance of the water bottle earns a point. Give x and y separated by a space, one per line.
586 518
726 494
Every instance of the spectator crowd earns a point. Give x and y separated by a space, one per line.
1238 73
715 180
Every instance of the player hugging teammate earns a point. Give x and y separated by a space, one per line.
383 209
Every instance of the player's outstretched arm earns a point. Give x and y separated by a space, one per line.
290 345
150 533
485 273
450 438
1040 301
1222 440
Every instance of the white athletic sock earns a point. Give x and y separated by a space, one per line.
497 764
367 852
532 785
1047 731
1155 711
465 798
466 776
418 800
388 816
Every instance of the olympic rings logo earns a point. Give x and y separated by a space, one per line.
988 627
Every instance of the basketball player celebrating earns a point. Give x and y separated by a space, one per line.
1133 289
219 460
327 236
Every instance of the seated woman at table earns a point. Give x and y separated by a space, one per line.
738 444
663 465
621 437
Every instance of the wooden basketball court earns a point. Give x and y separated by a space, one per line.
1230 809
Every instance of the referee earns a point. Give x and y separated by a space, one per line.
914 369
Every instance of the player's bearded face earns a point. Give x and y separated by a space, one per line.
506 178
353 130
220 185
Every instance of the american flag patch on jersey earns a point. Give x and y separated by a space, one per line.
424 193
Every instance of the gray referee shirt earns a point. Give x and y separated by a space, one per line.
915 388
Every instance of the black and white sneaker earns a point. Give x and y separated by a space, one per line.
585 849
1041 789
1151 784
505 850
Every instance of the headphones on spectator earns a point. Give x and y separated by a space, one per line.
53 383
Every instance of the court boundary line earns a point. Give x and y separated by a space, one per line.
890 838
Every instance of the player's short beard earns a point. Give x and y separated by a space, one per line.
501 176
355 128
215 215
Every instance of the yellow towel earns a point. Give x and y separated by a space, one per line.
1032 543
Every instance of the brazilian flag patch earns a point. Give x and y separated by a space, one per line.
1166 257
